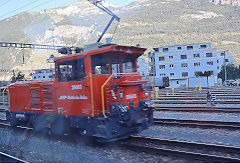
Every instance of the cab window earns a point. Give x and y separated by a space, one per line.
128 66
115 65
100 65
71 70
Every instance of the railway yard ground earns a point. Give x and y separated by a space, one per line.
186 129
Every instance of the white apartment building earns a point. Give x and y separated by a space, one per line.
183 62
43 74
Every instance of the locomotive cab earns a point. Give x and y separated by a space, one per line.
105 87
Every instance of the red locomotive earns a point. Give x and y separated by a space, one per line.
96 93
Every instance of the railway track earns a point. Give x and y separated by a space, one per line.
181 101
178 149
8 158
183 149
198 123
198 109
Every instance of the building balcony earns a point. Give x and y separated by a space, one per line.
151 55
151 63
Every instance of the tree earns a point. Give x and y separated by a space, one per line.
233 72
205 73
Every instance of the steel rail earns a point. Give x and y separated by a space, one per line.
199 94
183 149
197 109
180 101
196 98
198 123
8 158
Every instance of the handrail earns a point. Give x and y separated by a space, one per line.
104 84
91 87
3 92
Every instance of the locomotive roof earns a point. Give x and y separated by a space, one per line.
131 50
49 81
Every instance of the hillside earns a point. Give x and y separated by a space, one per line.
228 2
184 22
151 23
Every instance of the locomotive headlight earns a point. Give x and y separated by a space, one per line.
146 94
121 95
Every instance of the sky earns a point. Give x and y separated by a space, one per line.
9 8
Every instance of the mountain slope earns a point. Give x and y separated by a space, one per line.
169 22
229 2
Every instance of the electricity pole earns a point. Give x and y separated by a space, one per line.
225 67
52 29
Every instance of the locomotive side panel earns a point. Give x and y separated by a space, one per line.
19 96
73 98
32 97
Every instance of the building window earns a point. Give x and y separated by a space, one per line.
203 46
35 77
163 74
197 64
43 76
165 49
179 48
196 55
161 66
184 65
217 61
189 47
218 67
171 65
226 60
184 74
209 55
161 59
177 82
183 56
171 74
210 63
170 57
198 73
223 53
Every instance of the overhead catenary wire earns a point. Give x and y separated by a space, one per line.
19 8
39 5
32 7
